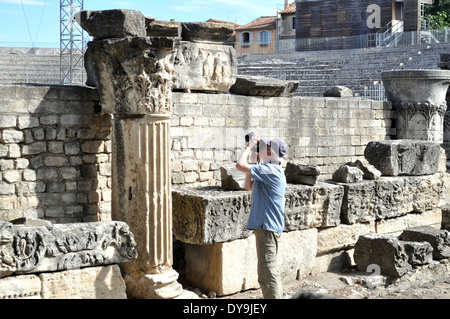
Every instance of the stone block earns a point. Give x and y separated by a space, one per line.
341 237
419 253
395 226
370 172
108 24
261 86
338 91
348 174
232 178
297 173
312 206
158 28
404 157
87 283
439 239
64 246
205 67
231 267
383 251
206 32
209 215
20 287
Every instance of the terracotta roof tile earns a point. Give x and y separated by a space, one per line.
262 23
291 9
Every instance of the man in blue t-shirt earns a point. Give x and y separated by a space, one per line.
268 184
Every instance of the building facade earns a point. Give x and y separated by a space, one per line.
258 36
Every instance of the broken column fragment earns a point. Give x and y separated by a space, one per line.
439 239
386 252
232 178
404 157
348 174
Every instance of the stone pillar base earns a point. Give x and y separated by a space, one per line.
154 286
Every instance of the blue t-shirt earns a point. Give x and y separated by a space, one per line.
267 210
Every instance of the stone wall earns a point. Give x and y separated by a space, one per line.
55 143
54 154
208 131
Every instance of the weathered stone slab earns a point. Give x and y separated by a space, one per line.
158 28
20 287
206 32
397 196
370 172
348 174
108 24
231 267
404 157
419 253
262 86
87 283
395 226
232 178
312 206
297 173
383 251
358 203
439 239
204 67
211 215
340 237
31 249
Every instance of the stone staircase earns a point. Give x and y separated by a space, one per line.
29 68
318 70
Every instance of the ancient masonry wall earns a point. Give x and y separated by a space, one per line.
208 131
54 154
55 143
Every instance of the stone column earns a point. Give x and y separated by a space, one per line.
134 74
419 99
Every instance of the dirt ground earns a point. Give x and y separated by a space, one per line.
430 281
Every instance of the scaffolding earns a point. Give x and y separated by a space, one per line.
71 43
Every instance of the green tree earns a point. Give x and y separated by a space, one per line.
438 14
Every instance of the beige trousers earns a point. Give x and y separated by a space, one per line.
268 275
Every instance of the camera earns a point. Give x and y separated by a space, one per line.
247 139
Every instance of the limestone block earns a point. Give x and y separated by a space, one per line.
395 226
397 196
158 28
262 86
312 206
404 157
206 32
205 67
87 283
154 286
439 239
358 204
232 178
20 287
384 251
341 237
419 253
30 249
370 172
210 215
297 173
348 174
231 267
112 23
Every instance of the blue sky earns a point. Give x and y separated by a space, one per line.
27 22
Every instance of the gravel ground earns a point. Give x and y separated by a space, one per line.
430 281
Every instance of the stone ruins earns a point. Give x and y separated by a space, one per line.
96 183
